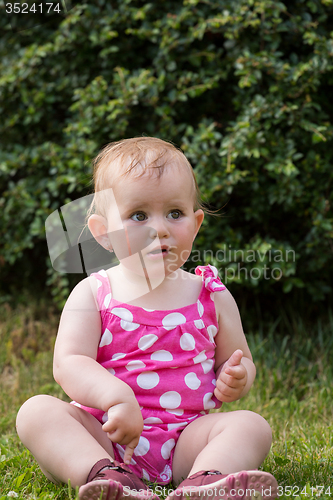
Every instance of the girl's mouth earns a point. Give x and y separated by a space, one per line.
159 252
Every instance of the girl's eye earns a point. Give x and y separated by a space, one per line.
139 217
175 214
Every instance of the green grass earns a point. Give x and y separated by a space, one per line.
293 391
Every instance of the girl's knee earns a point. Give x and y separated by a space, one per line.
31 412
258 427
34 405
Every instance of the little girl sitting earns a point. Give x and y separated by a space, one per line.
146 350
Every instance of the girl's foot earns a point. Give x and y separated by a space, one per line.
114 481
212 485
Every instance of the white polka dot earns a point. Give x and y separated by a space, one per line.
200 357
136 364
208 404
122 313
200 308
192 381
128 326
170 400
212 331
187 342
166 475
147 341
111 370
172 320
178 412
143 447
167 447
162 356
199 323
103 273
148 310
176 426
118 355
105 417
126 318
99 283
121 450
152 420
77 404
148 380
106 338
107 300
145 475
207 365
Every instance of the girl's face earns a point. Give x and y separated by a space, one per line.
158 217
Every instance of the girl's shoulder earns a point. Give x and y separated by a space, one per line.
83 295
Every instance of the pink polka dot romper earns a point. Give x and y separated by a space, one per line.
167 358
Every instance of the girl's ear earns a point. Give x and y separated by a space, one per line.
98 228
199 217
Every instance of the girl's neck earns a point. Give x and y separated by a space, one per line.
178 289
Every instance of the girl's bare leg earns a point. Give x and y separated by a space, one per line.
65 440
227 442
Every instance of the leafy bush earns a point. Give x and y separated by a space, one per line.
242 86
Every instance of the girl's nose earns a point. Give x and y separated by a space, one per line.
158 228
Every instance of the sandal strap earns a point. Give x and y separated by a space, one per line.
106 463
101 464
204 473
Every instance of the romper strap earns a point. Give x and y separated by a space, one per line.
209 275
103 290
213 284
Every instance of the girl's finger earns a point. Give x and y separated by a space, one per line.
235 358
129 450
109 427
238 371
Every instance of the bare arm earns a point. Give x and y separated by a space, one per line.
86 381
74 366
235 370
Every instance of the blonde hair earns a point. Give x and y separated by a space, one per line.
138 156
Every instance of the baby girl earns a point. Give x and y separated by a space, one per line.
145 350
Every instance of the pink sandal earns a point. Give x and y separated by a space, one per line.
212 485
114 481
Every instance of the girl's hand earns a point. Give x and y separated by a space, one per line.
124 426
232 379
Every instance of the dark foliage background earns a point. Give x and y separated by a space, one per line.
244 87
